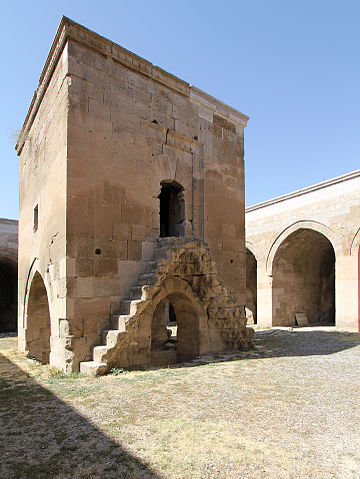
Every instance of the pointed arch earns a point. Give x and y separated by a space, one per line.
302 224
37 320
355 244
303 278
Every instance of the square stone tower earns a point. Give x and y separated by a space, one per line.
131 206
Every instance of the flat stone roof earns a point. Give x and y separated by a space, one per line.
304 191
68 29
8 222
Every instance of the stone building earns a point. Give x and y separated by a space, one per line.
8 274
302 253
131 211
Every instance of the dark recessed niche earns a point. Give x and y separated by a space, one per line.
98 251
196 138
155 122
36 218
231 261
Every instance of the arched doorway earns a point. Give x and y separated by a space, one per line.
172 209
303 279
251 287
183 346
38 321
8 295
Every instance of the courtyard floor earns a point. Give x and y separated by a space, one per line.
290 409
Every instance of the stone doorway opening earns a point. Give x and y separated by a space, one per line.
180 341
172 209
304 279
251 288
8 296
38 321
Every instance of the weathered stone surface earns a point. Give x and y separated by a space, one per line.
108 134
208 317
304 249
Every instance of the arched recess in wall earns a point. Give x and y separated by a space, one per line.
172 209
303 278
185 344
38 330
8 291
251 284
303 224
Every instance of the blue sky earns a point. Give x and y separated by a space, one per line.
292 66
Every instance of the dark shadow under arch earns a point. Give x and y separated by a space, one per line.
304 279
186 344
8 295
38 321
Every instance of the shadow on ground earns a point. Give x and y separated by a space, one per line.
281 343
42 437
300 342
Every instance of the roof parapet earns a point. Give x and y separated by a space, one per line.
68 29
304 191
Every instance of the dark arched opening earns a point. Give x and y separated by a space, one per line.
172 209
166 348
8 295
251 287
38 321
304 279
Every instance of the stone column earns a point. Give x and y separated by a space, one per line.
347 293
264 296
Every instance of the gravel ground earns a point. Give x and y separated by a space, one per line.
288 410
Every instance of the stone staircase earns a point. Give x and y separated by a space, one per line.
121 320
185 258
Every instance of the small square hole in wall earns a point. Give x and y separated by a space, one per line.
36 217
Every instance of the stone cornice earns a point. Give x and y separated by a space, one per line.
46 74
70 30
304 191
216 106
6 221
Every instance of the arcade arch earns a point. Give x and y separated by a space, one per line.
8 295
38 321
303 278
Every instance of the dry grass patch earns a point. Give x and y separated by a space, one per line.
291 410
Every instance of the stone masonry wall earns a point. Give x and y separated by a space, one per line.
127 133
43 185
332 209
105 128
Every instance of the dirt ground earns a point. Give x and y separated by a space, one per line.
290 409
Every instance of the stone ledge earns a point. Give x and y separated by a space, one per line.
70 30
216 106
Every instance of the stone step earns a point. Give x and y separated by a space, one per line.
130 308
152 266
160 253
125 306
91 368
109 337
135 292
99 352
119 321
147 278
162 358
